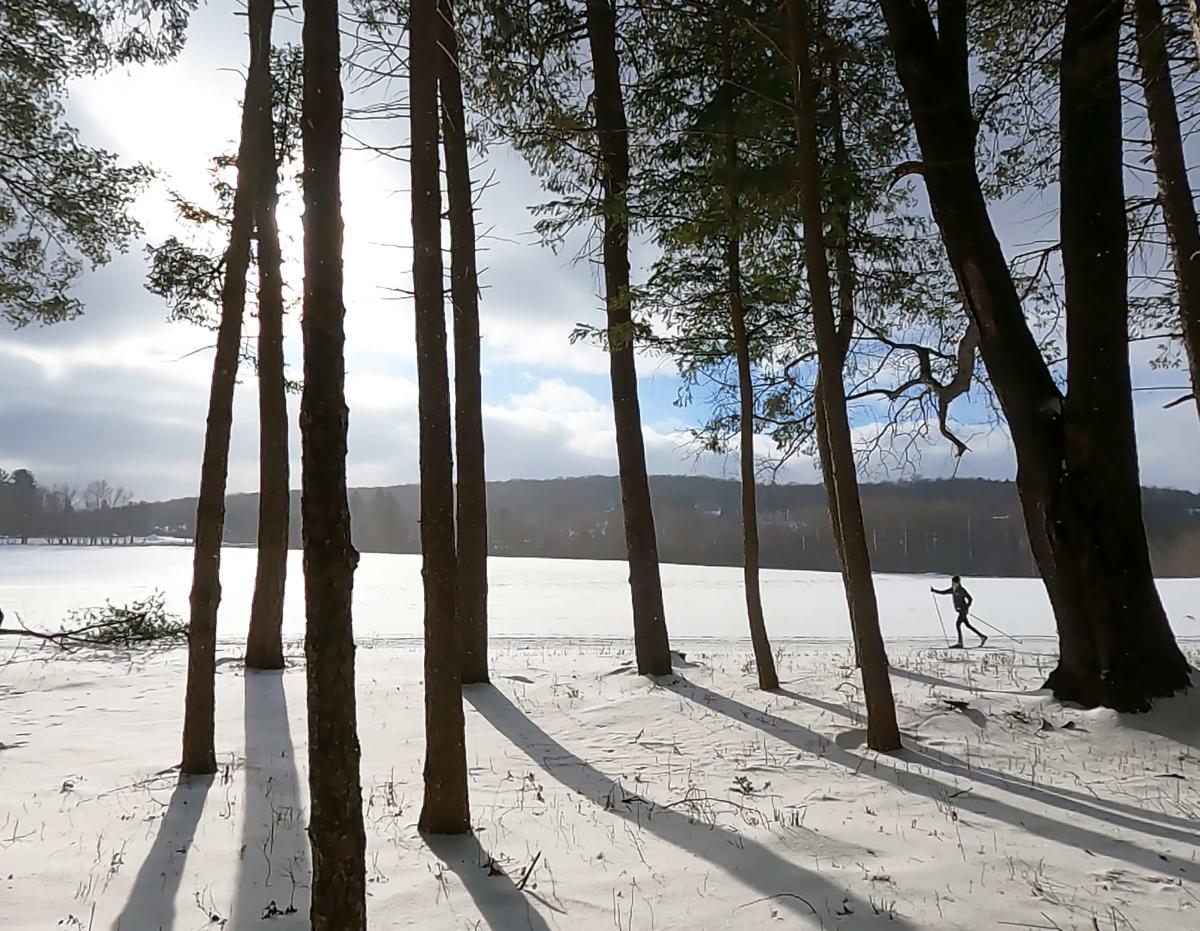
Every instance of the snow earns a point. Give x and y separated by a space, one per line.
538 597
690 802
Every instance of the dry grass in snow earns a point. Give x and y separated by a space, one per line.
603 800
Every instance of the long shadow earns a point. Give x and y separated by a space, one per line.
1181 719
1060 831
1176 719
751 863
151 902
925 679
840 710
274 873
503 906
1120 814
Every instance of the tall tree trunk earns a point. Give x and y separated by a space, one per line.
843 272
883 733
335 825
651 643
471 499
768 678
264 642
1102 482
445 809
199 751
1116 648
1175 192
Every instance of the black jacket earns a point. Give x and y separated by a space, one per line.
962 597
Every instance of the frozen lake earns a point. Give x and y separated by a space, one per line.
536 597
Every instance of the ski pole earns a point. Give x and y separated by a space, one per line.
938 607
997 630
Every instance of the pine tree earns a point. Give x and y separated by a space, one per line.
64 205
264 641
471 498
836 450
199 751
651 643
336 822
445 809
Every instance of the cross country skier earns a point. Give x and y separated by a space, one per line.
962 604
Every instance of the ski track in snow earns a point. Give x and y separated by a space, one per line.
693 802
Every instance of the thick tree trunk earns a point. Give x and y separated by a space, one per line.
883 733
764 662
471 499
1131 655
264 642
1175 192
335 824
445 809
1115 645
651 643
199 751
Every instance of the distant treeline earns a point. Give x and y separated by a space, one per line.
965 526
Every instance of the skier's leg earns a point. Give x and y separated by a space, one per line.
958 626
978 633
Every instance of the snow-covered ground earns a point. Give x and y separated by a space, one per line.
600 799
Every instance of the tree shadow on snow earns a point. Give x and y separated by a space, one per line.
1177 719
839 710
274 875
753 864
503 906
926 679
1067 831
151 902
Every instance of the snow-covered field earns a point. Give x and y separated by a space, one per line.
600 799
536 597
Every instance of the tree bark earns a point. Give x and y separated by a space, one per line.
199 750
1082 507
335 824
1174 189
1194 18
264 642
883 733
843 272
445 809
471 498
651 643
764 662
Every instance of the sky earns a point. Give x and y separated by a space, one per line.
121 393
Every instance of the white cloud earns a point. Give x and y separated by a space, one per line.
117 394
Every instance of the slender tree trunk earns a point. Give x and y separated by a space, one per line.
768 678
199 750
471 499
883 733
1115 645
446 809
843 271
651 643
264 642
335 824
1175 192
